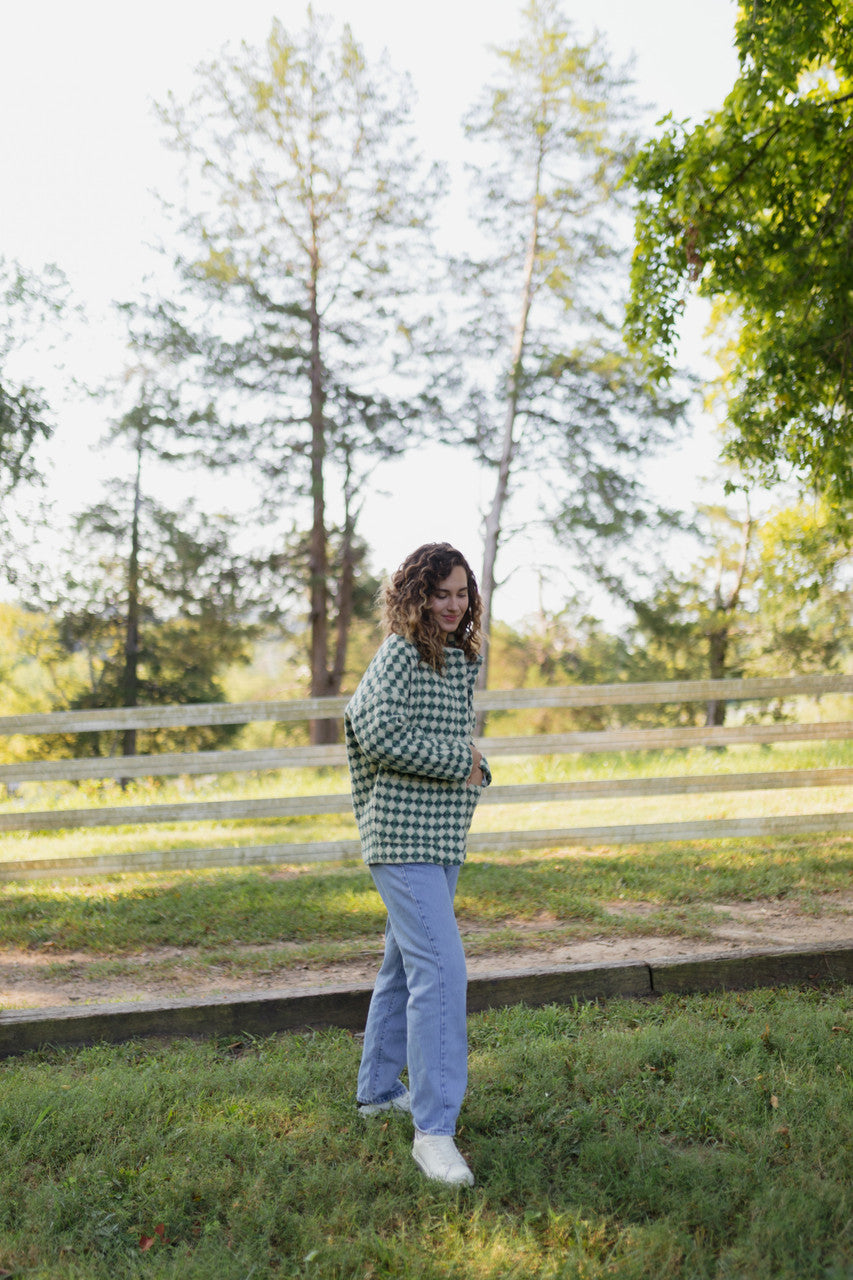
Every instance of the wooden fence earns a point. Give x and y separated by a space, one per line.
219 762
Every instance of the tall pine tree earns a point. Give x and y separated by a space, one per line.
568 408
305 250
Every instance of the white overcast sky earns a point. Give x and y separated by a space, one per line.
81 156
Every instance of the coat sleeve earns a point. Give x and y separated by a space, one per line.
379 717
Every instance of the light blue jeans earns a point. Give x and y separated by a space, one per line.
417 1014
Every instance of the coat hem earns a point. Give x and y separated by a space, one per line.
415 855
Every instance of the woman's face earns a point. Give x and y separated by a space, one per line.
449 601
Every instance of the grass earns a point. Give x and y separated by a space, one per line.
239 922
120 915
261 921
690 1138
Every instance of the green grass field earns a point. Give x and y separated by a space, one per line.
691 1138
265 921
688 1138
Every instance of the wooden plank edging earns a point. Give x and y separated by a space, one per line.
736 972
346 1006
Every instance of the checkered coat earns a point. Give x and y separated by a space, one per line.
409 736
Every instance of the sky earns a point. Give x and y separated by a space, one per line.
82 156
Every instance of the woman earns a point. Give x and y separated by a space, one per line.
416 779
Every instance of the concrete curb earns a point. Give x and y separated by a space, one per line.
262 1013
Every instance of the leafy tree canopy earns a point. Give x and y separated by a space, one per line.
752 206
28 303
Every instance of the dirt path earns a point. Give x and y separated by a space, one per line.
39 979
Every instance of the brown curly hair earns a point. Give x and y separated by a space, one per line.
405 604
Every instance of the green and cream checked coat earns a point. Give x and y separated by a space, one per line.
409 735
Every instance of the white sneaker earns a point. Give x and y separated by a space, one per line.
436 1155
402 1103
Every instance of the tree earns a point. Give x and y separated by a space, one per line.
28 304
694 627
304 250
556 649
569 402
769 597
353 589
753 206
156 602
804 591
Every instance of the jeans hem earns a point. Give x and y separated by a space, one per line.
377 1102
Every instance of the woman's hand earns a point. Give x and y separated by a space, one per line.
476 777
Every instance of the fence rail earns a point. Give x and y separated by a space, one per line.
193 715
594 741
520 793
613 740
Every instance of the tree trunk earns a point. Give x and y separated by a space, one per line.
718 645
322 731
494 518
719 636
130 679
345 598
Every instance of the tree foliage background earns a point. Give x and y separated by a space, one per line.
315 332
752 207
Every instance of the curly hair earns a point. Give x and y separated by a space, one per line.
405 604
